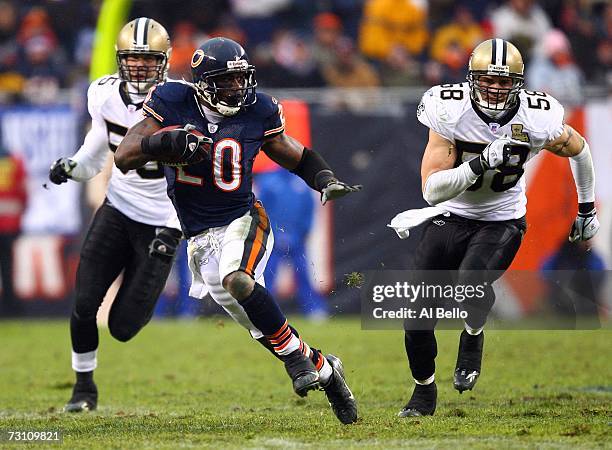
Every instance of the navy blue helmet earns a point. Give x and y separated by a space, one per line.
223 77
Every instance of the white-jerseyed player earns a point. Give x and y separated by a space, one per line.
481 134
135 230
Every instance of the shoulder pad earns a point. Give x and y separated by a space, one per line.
101 89
174 91
442 106
265 106
544 113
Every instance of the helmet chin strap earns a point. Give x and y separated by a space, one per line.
224 110
494 113
227 110
212 115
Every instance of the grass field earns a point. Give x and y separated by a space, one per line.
205 384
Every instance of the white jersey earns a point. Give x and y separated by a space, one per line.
139 194
536 120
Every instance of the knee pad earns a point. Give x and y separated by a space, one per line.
123 331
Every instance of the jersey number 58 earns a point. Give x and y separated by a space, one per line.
507 175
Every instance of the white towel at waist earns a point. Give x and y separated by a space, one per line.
404 221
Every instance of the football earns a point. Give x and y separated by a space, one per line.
170 160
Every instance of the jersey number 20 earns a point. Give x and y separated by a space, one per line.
223 180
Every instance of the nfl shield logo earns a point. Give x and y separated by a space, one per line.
493 127
212 127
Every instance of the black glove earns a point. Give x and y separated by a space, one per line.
165 243
336 189
60 170
180 144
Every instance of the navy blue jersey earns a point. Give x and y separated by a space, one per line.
215 192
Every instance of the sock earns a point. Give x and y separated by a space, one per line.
427 381
264 341
84 362
325 370
263 311
316 356
322 365
265 314
473 331
421 349
285 342
83 333
84 377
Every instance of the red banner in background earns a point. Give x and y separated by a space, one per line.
551 209
297 125
44 255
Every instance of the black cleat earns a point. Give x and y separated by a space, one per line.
84 398
422 402
338 393
302 371
469 359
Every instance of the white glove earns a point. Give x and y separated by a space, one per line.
336 189
496 153
585 226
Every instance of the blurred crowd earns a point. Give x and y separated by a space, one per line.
46 45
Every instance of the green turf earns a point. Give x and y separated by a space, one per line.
206 384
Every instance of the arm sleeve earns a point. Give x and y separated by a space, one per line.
584 175
446 184
91 157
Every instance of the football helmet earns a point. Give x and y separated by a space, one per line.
143 38
223 77
495 76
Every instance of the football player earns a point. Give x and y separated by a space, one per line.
135 230
481 134
230 237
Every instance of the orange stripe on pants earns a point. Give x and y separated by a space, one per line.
258 243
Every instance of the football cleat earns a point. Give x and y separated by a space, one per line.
302 371
422 402
338 393
84 398
469 359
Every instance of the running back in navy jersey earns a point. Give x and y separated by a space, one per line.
214 192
